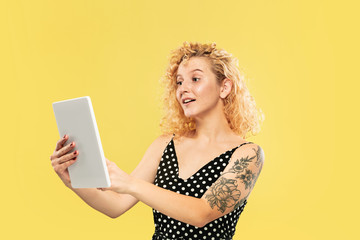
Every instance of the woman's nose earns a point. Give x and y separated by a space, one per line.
184 87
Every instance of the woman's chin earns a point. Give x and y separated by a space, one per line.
188 114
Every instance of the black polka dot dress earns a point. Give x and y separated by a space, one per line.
168 177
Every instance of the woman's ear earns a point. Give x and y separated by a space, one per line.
225 88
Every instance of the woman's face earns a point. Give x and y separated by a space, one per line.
196 82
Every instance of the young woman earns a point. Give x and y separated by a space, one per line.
198 175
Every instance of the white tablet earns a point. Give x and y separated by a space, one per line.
75 117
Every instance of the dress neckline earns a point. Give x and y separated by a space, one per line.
177 162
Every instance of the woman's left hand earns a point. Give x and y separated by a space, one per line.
120 180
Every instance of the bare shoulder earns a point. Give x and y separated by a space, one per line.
250 151
160 142
148 165
157 147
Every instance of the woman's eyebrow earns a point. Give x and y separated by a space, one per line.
197 69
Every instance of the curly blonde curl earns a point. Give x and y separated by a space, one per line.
239 106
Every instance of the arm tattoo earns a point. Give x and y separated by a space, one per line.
240 165
259 157
247 178
224 193
241 202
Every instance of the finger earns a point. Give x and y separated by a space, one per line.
61 142
65 149
66 165
68 157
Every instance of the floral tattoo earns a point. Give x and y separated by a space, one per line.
224 193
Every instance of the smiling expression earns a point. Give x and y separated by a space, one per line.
197 89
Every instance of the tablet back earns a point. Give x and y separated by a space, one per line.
75 117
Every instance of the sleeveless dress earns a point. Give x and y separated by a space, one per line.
168 177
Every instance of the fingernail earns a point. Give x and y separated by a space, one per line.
72 144
64 136
75 152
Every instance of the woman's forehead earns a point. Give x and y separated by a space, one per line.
194 63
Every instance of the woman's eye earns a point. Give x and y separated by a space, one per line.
178 83
196 79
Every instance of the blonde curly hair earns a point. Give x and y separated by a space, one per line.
239 106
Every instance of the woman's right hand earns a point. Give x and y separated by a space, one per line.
61 159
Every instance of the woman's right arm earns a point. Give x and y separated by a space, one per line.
109 203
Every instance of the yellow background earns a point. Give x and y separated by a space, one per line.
300 59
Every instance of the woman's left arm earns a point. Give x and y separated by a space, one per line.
231 189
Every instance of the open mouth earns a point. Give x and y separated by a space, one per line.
188 101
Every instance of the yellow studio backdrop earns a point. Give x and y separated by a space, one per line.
300 60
